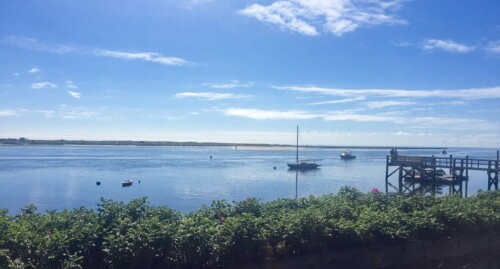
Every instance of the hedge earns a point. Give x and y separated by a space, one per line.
138 235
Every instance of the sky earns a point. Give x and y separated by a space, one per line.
347 72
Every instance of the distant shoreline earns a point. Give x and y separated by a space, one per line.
60 142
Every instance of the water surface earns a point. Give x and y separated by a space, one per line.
185 178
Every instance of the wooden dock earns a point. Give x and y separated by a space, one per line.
427 174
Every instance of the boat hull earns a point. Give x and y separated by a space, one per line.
303 166
347 157
127 183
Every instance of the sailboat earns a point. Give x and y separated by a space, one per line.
302 164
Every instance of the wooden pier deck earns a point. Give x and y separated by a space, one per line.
419 173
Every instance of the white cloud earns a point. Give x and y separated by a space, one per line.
468 94
199 2
143 56
434 123
211 96
494 47
258 114
191 4
349 116
43 85
231 85
340 101
446 45
71 113
34 70
71 85
16 74
7 113
76 95
174 117
403 44
382 104
45 113
311 17
34 44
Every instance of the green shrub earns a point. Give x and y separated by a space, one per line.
137 235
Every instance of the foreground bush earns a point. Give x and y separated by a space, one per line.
137 235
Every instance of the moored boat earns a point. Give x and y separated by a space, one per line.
302 164
127 182
347 155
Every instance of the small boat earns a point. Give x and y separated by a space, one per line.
302 164
127 182
444 151
347 155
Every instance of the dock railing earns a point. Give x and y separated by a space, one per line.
444 162
458 168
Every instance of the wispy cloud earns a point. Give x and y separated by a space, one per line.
494 47
76 95
231 85
43 85
71 85
210 96
339 101
258 114
403 44
446 45
444 123
45 113
174 117
34 44
468 94
71 113
142 56
7 113
191 4
382 104
34 70
350 116
325 16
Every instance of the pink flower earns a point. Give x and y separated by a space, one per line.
222 218
375 190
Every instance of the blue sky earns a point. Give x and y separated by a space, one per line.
348 72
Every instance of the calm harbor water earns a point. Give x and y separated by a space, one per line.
185 178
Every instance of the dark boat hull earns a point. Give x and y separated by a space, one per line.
347 157
127 183
303 166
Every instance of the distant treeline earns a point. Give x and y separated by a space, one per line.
25 141
137 235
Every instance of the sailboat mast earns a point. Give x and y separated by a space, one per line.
297 155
